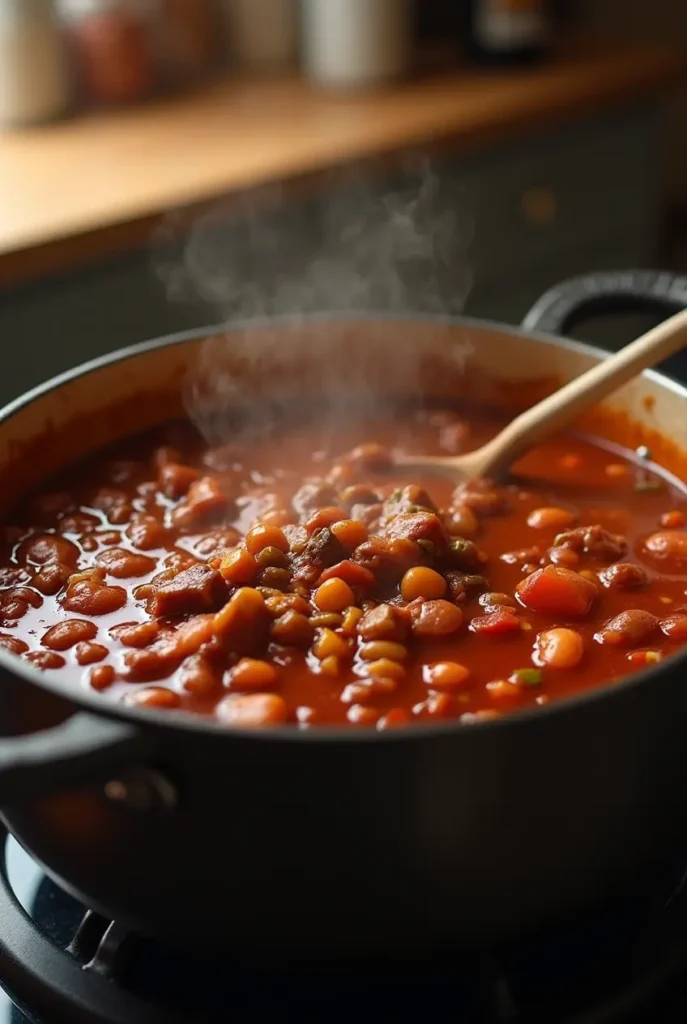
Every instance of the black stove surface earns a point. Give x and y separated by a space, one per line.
625 964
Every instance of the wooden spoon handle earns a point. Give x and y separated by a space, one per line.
603 379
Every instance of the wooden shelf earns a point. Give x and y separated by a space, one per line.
77 190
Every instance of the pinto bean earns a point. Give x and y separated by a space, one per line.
135 634
48 549
93 597
88 653
153 697
13 644
146 532
101 677
45 660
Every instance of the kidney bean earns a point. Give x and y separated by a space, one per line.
146 532
92 597
12 606
252 710
88 653
64 635
153 697
629 629
45 660
437 618
13 644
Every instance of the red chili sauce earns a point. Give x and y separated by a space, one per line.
293 579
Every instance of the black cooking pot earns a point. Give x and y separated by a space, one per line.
339 842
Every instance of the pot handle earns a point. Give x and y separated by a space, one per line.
82 749
560 309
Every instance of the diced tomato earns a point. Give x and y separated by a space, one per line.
557 591
498 623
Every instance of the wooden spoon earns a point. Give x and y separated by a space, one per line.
560 408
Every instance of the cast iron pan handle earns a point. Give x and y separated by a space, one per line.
84 748
560 309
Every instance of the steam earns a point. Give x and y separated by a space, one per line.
348 248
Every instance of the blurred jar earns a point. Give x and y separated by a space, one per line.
34 76
351 43
186 38
262 34
112 46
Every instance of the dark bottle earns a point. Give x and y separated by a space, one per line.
508 32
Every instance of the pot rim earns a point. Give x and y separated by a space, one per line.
96 704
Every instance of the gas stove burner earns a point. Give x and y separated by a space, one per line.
63 964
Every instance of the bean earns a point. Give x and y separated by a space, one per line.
198 677
446 675
386 668
67 634
123 564
92 597
368 689
564 556
334 596
371 457
629 629
88 653
675 626
437 618
47 548
324 517
502 690
153 697
352 617
379 650
393 719
422 582
266 536
493 600
330 645
13 644
624 576
350 533
669 545
238 567
559 648
463 521
252 674
101 677
674 520
550 519
293 630
473 717
51 578
174 479
362 714
146 532
330 620
46 659
437 705
136 634
253 710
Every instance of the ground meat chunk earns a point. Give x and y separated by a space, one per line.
320 551
383 623
595 542
206 500
419 527
198 589
407 499
312 495
482 496
624 576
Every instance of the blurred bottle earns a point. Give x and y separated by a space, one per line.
112 47
262 34
187 37
504 32
356 42
34 77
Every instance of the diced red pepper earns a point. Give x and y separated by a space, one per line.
498 623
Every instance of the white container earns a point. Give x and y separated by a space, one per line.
34 78
262 34
348 43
